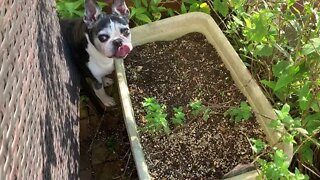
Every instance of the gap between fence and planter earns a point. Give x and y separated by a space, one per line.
173 28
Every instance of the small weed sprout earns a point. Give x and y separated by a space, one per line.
243 112
156 116
198 109
257 145
179 116
84 99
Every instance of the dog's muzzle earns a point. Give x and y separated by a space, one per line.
122 49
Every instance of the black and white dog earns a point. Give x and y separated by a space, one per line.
96 40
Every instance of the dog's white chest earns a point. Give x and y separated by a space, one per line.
98 64
100 67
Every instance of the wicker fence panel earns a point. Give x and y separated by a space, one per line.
39 95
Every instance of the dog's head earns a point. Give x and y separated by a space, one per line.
110 34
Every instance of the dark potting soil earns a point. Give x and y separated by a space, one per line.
175 73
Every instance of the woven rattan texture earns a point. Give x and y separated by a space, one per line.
38 98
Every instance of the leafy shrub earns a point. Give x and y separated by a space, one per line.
156 116
277 168
146 11
243 112
73 8
199 110
179 116
280 44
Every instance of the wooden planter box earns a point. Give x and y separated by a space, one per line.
179 26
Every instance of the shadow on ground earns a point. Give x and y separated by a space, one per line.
104 145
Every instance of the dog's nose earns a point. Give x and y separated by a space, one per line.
117 42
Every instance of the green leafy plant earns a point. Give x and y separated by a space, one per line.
257 145
243 112
156 117
277 168
194 6
73 8
84 99
221 6
285 119
145 11
178 117
198 109
280 44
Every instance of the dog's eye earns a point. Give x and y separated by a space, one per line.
103 37
125 32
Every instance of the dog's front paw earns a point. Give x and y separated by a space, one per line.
107 81
104 98
108 101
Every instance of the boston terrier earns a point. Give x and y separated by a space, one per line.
96 41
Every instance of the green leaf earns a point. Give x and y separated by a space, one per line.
221 6
156 16
260 29
237 4
183 8
312 122
248 23
162 9
301 130
275 124
73 5
263 50
237 20
155 2
280 68
139 10
306 153
195 105
101 4
290 3
137 3
143 18
285 109
270 84
283 81
312 47
304 97
78 13
144 3
204 7
288 138
239 113
206 114
299 176
84 98
258 145
170 12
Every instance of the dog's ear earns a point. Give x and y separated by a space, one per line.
92 12
119 7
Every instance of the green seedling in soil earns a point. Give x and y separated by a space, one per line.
179 116
243 112
156 116
198 109
257 145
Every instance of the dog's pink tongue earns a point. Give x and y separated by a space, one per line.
123 51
